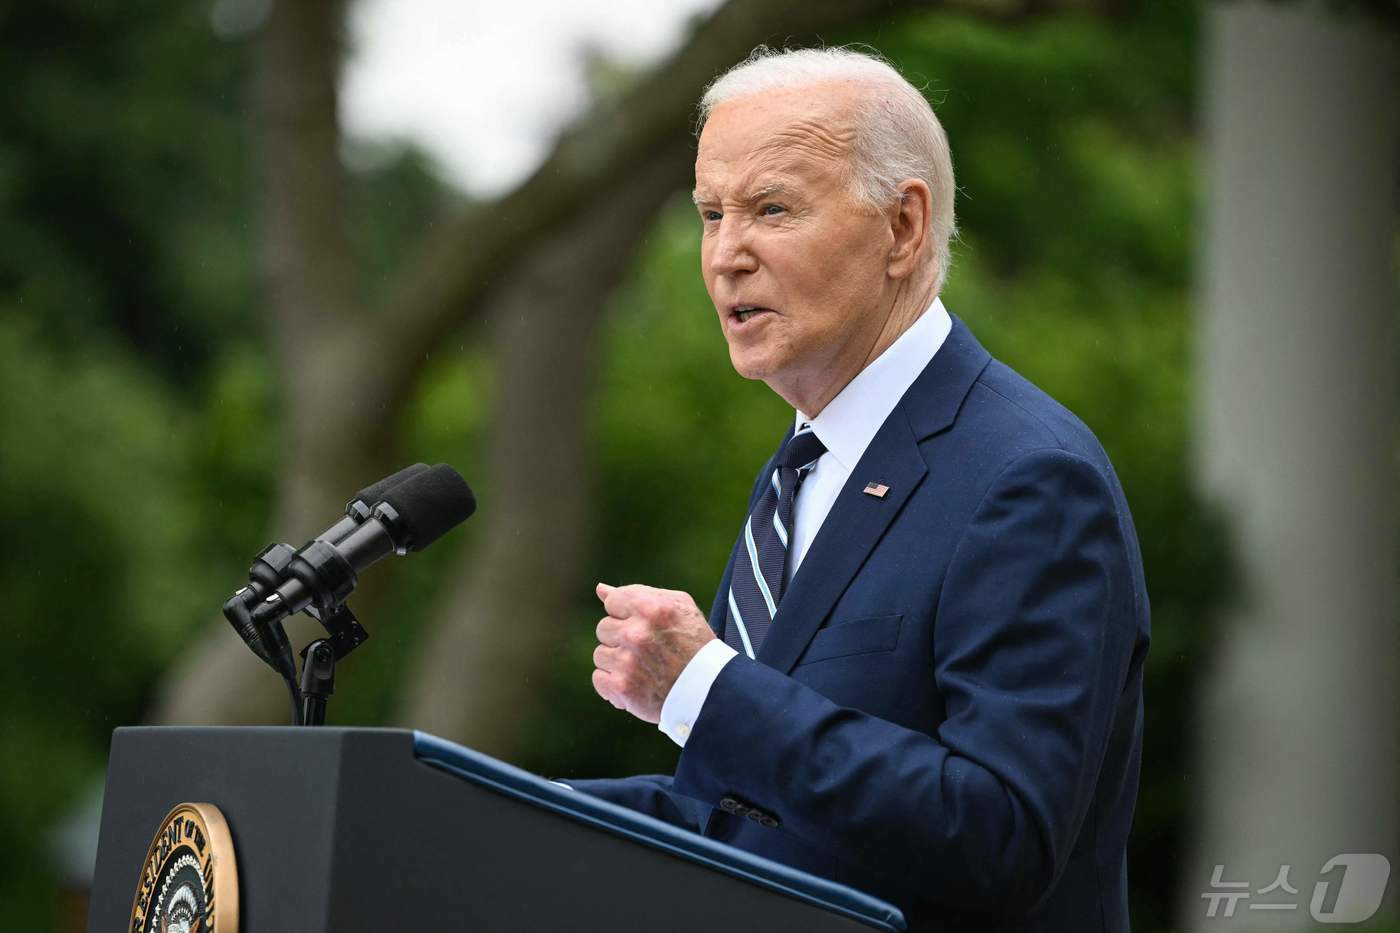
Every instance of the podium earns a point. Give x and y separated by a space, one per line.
352 830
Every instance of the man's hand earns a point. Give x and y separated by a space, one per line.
647 639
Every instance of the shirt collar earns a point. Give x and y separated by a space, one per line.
850 421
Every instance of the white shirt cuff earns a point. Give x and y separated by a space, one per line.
682 706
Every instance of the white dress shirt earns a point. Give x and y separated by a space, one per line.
846 426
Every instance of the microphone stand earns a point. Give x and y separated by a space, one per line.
318 660
269 642
317 681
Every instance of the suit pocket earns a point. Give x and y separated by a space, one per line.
858 636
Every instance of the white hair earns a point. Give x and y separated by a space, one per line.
897 135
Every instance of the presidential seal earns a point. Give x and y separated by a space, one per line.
189 882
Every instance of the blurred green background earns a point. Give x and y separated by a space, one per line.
143 428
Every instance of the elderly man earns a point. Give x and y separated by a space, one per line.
922 675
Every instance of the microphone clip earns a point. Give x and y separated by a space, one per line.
268 639
346 632
318 659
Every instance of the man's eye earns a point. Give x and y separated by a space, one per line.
770 210
710 216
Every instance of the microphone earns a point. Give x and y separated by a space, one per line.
361 504
269 569
411 515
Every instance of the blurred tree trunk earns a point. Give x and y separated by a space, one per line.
1296 347
332 392
537 265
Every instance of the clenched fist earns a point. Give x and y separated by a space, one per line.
646 640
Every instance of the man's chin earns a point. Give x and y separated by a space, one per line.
749 364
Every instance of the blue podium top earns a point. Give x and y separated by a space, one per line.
514 782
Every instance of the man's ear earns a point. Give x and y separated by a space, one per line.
909 223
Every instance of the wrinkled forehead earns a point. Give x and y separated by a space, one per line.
796 133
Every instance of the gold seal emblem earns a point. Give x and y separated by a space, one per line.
189 881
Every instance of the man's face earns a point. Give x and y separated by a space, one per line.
784 235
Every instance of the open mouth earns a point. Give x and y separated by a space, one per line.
742 313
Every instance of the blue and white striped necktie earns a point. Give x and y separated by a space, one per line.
756 585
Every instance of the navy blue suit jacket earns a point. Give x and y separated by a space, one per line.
947 711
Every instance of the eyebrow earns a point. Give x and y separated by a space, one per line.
775 189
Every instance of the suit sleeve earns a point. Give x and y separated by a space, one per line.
647 793
1033 635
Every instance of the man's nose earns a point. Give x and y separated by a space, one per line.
733 252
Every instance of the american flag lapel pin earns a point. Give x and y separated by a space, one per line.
877 490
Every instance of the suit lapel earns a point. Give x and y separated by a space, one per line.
854 525
857 521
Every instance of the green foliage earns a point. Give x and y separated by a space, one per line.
118 510
124 182
135 450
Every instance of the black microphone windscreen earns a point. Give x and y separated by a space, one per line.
431 503
373 495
